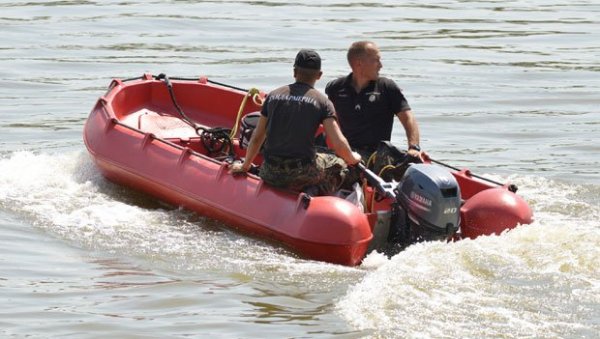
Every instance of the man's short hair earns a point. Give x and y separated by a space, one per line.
306 74
358 49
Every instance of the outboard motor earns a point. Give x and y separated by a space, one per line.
428 199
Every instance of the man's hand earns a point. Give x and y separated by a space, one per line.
237 168
414 156
355 159
414 153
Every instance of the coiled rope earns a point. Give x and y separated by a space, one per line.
217 139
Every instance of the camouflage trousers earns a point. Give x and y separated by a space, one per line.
322 176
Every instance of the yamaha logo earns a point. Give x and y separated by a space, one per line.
372 98
420 198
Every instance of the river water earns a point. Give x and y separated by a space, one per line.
509 89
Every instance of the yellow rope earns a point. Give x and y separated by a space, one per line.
258 100
374 191
254 93
372 157
385 168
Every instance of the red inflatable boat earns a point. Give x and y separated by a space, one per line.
174 138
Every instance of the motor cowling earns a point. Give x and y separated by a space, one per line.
429 202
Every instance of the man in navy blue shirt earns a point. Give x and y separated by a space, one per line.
366 103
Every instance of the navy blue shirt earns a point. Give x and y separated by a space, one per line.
366 117
294 113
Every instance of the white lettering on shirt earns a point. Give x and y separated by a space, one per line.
297 98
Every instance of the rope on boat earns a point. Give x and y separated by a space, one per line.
371 160
255 94
385 168
186 119
216 140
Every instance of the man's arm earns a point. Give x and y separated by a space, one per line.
339 143
409 122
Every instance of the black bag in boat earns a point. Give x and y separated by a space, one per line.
248 124
390 162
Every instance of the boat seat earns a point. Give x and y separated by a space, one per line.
162 126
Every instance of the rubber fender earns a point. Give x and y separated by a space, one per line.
493 211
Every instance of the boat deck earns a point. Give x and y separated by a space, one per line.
164 126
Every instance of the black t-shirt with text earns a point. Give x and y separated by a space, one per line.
366 117
294 113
